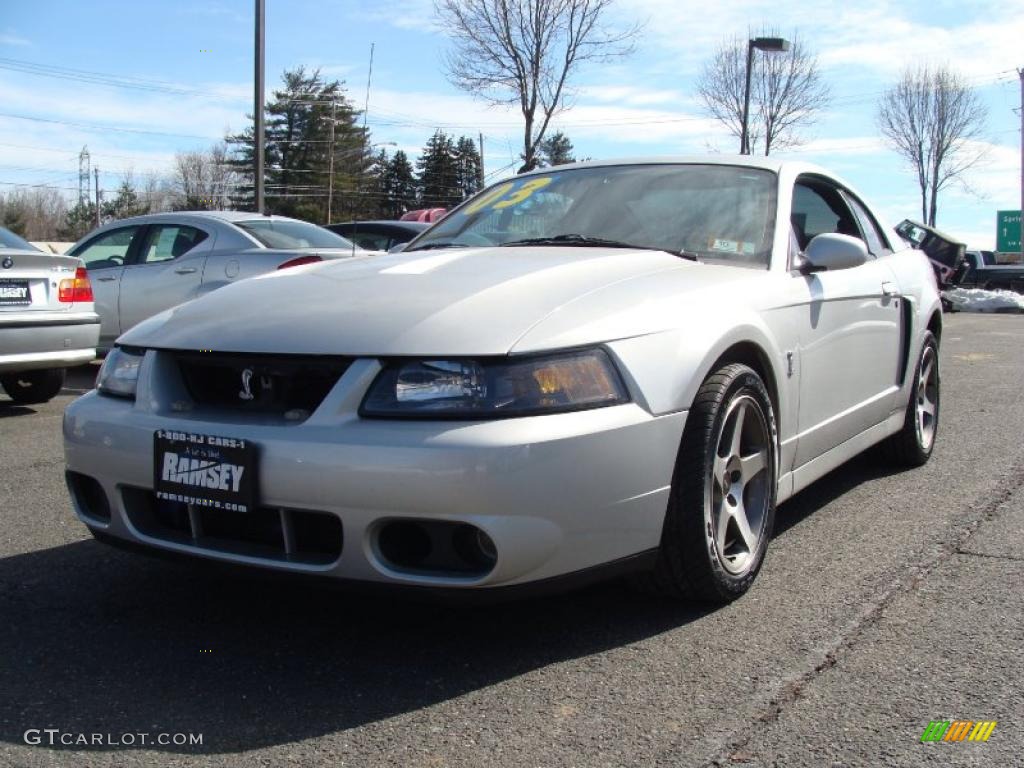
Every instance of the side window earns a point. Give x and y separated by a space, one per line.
817 209
107 250
169 241
876 242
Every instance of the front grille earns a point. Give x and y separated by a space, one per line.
287 535
283 385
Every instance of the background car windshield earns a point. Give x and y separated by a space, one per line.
719 212
276 233
10 240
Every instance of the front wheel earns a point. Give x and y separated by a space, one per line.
31 387
721 510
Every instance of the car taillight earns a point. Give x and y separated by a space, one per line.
299 261
76 289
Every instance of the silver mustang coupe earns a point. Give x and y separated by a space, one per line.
600 367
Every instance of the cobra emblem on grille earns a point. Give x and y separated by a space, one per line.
246 393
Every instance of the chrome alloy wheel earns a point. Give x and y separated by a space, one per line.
927 394
740 485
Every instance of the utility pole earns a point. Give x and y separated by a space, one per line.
258 131
1020 73
481 173
330 176
96 171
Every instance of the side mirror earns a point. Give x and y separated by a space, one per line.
830 251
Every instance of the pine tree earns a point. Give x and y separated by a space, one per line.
556 150
438 173
78 221
299 152
398 187
469 167
125 203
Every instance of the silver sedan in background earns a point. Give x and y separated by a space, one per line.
146 264
47 322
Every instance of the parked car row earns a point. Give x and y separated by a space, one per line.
60 311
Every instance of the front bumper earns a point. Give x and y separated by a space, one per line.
47 340
555 494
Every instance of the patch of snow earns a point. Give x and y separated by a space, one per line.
981 300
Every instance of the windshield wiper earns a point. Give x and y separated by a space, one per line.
595 242
430 246
582 240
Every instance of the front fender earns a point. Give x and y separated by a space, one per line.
666 369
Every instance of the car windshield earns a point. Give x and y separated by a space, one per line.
10 240
290 234
714 212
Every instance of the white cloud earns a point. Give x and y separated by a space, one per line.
9 38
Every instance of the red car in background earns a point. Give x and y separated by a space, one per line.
427 215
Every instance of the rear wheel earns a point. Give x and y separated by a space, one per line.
912 445
722 507
32 387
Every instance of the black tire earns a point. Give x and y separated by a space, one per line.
690 564
913 444
31 387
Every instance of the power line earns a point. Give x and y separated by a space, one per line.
101 78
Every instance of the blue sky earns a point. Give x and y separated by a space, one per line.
643 106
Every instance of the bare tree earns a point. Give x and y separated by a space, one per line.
36 213
204 179
930 117
786 93
525 51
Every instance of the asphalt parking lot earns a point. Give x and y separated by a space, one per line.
888 600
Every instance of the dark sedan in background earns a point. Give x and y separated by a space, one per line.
378 235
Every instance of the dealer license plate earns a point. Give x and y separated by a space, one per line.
14 293
205 470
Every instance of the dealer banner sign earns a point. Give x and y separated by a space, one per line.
205 470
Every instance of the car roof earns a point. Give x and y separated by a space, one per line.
408 225
227 216
775 164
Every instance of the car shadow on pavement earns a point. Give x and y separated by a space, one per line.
8 409
831 487
96 640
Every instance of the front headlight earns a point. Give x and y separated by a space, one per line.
489 388
120 372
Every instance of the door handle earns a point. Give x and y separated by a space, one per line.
105 279
888 289
185 270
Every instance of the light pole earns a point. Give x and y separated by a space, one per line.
258 134
763 44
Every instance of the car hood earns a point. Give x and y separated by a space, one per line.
469 301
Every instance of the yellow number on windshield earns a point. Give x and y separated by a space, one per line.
515 198
487 199
523 192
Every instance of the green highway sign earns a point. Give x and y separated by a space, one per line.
1008 231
